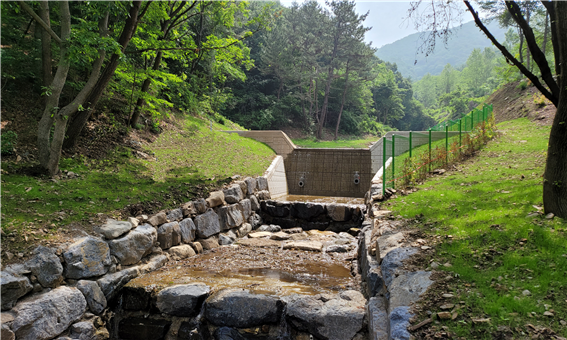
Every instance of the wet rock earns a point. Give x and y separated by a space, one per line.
255 220
110 284
254 204
227 333
136 244
182 300
113 229
263 195
193 330
230 217
200 205
251 184
183 251
304 245
306 211
280 236
339 212
187 228
270 228
314 225
93 295
87 257
215 199
393 260
207 224
158 219
369 266
233 194
175 215
244 230
246 208
83 330
262 183
336 319
378 319
399 323
275 209
339 248
135 298
155 262
165 235
13 287
406 288
188 209
143 328
240 308
49 314
46 266
209 243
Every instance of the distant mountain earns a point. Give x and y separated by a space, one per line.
462 41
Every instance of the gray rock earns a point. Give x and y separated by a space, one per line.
176 235
369 266
215 199
83 330
230 217
406 288
276 209
187 228
136 244
254 204
18 269
46 266
263 195
306 211
262 183
113 229
242 309
189 209
155 262
304 245
393 260
13 287
110 284
175 215
339 248
280 236
87 257
251 184
182 300
339 212
165 235
47 315
158 219
255 220
244 230
243 187
399 322
227 333
225 240
246 208
183 251
200 205
209 243
233 194
93 295
207 224
338 318
378 319
272 228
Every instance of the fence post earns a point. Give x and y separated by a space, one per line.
429 150
472 120
393 160
460 135
410 144
384 165
446 145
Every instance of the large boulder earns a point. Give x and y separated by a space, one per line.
306 211
46 266
255 220
209 243
136 244
243 187
207 224
158 219
93 294
338 318
230 217
165 234
215 199
182 300
394 260
143 328
87 257
13 287
251 184
275 209
200 205
399 323
113 229
262 183
83 330
339 212
182 251
254 203
110 284
175 215
233 194
244 229
377 318
406 288
189 209
49 314
187 228
242 309
246 208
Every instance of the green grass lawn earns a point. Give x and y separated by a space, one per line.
343 143
500 247
185 163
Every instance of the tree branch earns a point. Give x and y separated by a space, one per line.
533 78
43 24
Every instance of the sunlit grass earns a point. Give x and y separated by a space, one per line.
344 143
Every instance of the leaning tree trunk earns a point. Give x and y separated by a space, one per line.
145 88
45 45
555 176
342 102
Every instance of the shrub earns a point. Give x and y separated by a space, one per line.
540 100
8 141
522 85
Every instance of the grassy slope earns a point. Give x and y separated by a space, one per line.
190 160
499 247
342 143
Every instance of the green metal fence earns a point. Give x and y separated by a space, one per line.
400 145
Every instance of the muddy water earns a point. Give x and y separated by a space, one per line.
321 199
261 270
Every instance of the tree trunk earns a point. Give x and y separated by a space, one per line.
80 119
45 45
325 102
521 50
554 39
545 32
342 102
555 176
145 87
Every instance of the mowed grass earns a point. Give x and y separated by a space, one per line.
499 246
185 163
341 143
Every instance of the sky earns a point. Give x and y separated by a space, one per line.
387 19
